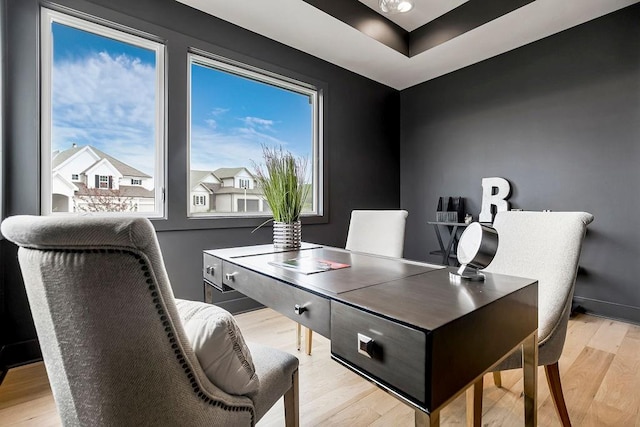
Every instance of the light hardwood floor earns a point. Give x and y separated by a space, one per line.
600 370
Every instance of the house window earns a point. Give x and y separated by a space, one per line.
235 109
103 87
103 181
136 181
199 200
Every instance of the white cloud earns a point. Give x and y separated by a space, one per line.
108 102
211 149
257 122
218 111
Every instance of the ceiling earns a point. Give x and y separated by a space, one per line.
353 35
424 11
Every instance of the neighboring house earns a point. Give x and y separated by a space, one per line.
225 190
85 177
203 186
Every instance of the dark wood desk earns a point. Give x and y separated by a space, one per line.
431 339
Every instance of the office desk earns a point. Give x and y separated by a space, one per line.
403 325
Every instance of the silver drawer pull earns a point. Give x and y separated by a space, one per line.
211 269
231 276
299 309
365 345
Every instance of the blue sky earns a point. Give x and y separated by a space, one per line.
104 95
232 116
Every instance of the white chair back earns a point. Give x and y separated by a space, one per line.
379 232
544 246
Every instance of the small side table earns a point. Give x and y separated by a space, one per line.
448 250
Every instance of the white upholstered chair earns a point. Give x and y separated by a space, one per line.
112 335
544 246
377 232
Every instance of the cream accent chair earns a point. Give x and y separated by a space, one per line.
544 246
112 338
377 232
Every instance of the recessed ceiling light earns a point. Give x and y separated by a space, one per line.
396 6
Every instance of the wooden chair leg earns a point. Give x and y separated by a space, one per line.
423 419
555 388
474 404
497 379
308 339
292 404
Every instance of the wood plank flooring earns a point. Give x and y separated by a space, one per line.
600 370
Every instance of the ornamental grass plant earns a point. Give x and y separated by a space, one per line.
282 180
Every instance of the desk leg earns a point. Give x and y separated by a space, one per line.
308 341
427 420
298 335
474 404
530 373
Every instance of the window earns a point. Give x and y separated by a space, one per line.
103 181
199 200
234 111
136 181
103 114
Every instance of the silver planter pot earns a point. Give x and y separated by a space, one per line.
287 235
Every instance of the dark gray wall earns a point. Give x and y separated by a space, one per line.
560 119
356 127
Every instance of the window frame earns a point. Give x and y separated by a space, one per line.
122 34
244 70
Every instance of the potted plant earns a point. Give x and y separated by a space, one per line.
282 180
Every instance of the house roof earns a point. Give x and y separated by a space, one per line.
125 191
196 175
122 167
136 191
213 187
222 173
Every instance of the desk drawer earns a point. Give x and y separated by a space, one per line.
212 270
281 297
398 353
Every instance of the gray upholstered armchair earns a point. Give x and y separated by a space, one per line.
544 246
113 339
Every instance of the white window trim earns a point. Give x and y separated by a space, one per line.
315 95
48 17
